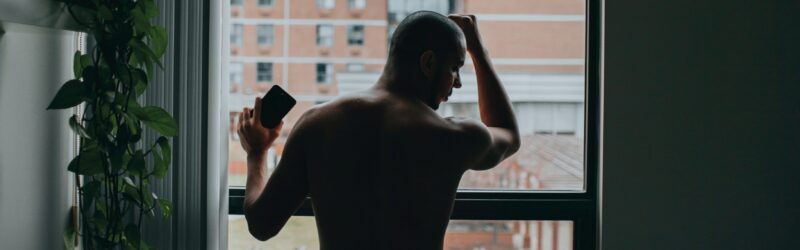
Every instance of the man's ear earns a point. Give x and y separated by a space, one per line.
427 62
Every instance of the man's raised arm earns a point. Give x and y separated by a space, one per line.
495 108
269 204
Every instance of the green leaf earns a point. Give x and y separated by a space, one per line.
136 165
163 159
104 13
133 235
158 119
86 60
158 40
140 22
69 95
149 8
77 127
88 162
101 206
159 170
91 189
77 68
166 207
140 78
144 53
69 237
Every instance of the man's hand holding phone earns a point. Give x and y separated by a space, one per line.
254 137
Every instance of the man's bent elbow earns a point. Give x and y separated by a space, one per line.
261 233
516 143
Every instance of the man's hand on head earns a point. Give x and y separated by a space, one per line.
254 137
469 26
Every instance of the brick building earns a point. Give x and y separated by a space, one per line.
319 49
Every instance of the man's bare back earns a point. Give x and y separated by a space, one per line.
381 166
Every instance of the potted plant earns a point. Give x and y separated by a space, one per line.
115 196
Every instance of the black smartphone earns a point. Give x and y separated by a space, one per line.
274 106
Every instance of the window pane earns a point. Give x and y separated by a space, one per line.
356 4
355 35
537 49
264 2
300 232
326 4
237 31
264 72
324 35
265 34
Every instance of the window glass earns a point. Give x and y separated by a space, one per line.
356 4
326 4
235 71
237 31
264 73
264 3
236 2
265 34
537 49
324 72
355 67
300 232
324 35
355 35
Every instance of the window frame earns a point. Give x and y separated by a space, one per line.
581 207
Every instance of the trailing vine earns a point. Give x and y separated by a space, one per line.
115 194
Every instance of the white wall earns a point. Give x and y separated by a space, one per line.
35 144
702 125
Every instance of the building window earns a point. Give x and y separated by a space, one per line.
355 67
324 35
235 71
237 31
324 72
265 3
326 4
355 35
356 4
236 2
264 72
265 34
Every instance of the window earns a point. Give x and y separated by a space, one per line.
265 3
324 35
265 34
324 72
264 72
549 186
355 35
355 67
235 70
236 2
326 4
356 4
237 31
300 232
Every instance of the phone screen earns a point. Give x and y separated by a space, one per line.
274 106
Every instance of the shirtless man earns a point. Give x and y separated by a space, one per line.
381 166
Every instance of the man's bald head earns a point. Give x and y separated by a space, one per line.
422 31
